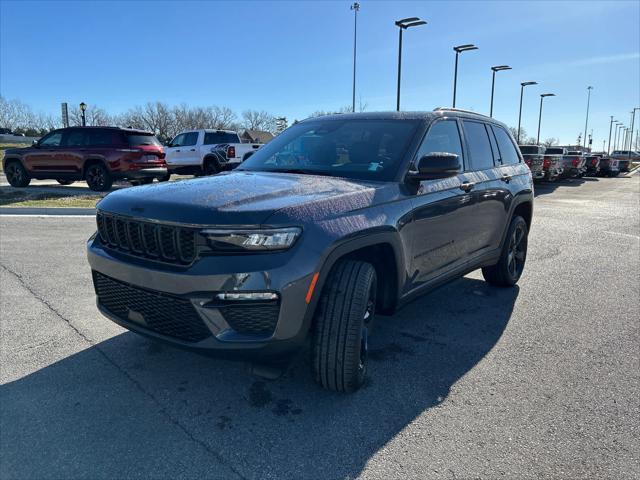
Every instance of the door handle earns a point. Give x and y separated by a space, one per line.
192 150
467 186
177 151
506 178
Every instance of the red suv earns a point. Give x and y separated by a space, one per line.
98 155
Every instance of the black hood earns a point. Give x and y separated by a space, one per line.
237 198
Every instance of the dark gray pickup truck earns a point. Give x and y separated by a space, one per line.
335 220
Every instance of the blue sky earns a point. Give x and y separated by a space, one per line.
293 58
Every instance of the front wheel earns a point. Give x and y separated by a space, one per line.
98 177
342 324
508 270
16 174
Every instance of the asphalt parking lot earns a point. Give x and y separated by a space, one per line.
471 381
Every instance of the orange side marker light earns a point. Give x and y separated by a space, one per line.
314 280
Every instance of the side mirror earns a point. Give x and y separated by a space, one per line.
169 144
35 144
437 165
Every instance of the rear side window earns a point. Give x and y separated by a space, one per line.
214 138
190 139
508 153
443 136
76 138
479 145
99 138
555 151
138 139
528 149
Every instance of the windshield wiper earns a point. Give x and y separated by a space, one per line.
299 170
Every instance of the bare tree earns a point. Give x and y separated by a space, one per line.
94 116
550 142
258 120
14 114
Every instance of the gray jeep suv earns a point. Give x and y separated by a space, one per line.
336 219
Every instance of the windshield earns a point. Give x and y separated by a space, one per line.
362 149
137 139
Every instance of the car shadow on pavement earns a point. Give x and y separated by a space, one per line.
129 407
543 188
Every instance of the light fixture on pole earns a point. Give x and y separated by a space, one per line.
355 7
493 83
633 117
403 25
522 85
586 122
459 49
83 107
542 97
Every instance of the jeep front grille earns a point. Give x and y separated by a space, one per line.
167 243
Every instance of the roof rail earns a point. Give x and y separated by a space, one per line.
439 109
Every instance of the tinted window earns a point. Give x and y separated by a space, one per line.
190 139
51 140
508 152
479 145
76 138
101 138
555 151
177 142
443 136
528 149
137 139
364 149
213 138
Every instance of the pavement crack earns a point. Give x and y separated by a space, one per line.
138 385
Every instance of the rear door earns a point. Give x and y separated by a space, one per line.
442 210
70 157
489 191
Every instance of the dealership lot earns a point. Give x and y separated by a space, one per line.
469 381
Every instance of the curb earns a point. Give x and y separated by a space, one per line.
48 211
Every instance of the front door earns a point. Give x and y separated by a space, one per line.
42 157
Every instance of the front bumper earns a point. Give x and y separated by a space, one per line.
192 290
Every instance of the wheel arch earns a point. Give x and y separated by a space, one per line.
90 161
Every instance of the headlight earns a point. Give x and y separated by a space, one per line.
252 240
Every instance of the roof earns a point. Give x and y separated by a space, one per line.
259 135
95 127
428 115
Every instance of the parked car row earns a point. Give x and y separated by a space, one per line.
552 163
101 155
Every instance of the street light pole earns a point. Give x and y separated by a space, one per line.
355 7
459 49
610 127
586 122
83 107
542 96
493 83
522 85
403 25
633 117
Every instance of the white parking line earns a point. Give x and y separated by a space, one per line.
637 237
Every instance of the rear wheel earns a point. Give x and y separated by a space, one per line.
210 167
98 177
16 174
62 181
508 270
342 324
165 178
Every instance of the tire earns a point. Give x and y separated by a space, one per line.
210 167
98 177
341 327
513 257
16 174
166 178
64 182
144 181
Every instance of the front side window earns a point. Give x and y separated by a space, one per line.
508 152
363 149
52 140
190 139
443 137
479 145
178 141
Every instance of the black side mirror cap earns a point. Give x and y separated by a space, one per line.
436 165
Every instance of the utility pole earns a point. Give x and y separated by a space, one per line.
589 88
355 7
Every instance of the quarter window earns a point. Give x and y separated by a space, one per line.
479 145
508 153
443 136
